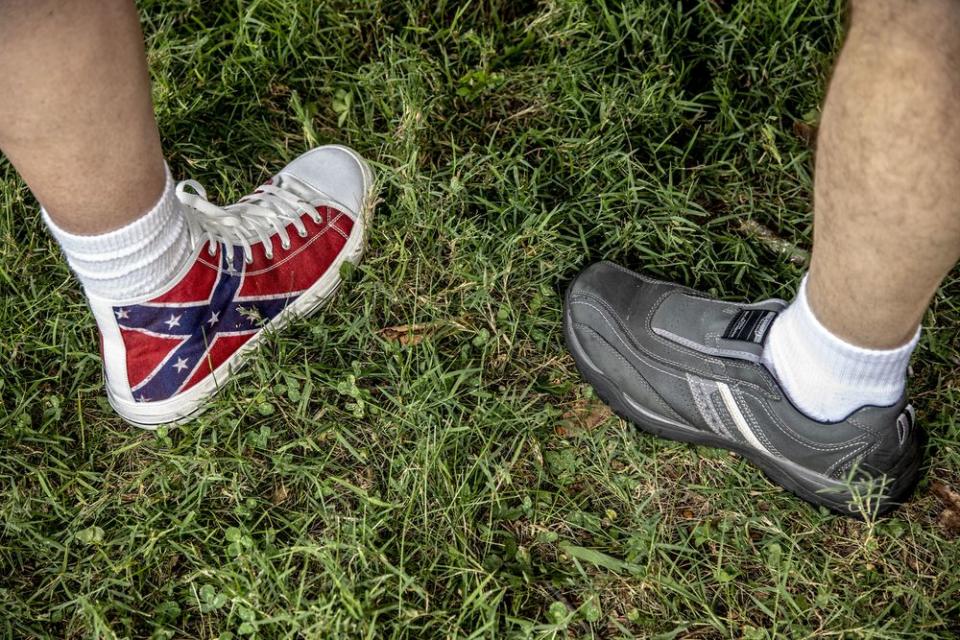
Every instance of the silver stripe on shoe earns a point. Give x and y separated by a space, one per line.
731 404
701 390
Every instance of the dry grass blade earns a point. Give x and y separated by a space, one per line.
584 416
806 132
950 517
408 334
775 243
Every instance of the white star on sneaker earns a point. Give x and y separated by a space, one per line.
181 365
174 321
214 318
123 314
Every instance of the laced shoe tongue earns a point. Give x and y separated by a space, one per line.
281 188
714 327
258 218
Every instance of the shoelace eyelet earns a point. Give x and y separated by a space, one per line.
255 219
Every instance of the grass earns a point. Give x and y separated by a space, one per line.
460 482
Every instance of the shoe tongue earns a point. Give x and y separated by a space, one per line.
714 327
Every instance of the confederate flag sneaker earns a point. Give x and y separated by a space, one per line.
257 264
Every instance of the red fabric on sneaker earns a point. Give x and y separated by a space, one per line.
177 339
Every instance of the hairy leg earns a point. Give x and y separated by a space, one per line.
76 118
887 196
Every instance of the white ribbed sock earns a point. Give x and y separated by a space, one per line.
826 377
134 260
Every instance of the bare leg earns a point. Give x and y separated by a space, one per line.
76 117
887 198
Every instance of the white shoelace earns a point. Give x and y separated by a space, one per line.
255 218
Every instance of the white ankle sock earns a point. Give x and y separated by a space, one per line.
826 377
134 260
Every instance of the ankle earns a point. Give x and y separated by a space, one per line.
133 260
826 377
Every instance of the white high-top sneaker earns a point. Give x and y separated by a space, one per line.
256 264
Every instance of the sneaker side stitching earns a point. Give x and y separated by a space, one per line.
705 407
671 412
305 246
643 358
757 430
648 325
863 427
703 349
682 367
796 437
846 461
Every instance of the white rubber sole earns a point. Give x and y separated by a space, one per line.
189 404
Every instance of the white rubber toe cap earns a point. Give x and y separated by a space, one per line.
338 172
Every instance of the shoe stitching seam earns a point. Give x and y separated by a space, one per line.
796 437
688 291
306 245
757 431
699 348
718 405
637 276
203 261
656 396
608 309
339 215
320 233
705 406
846 461
863 427
648 325
643 357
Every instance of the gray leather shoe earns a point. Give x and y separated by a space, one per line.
686 367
